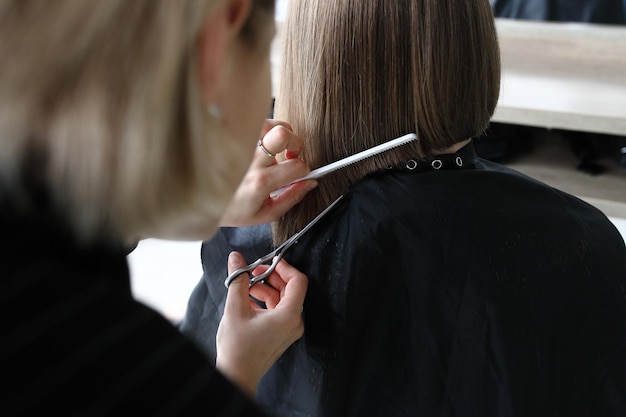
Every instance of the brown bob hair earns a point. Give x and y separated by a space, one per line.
358 73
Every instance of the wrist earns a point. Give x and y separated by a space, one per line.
243 380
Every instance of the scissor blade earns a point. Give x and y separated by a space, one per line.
317 218
278 251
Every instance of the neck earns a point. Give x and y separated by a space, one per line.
452 149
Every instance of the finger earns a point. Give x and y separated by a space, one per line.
295 143
285 172
237 300
256 305
271 123
266 294
280 202
277 140
276 282
295 286
285 198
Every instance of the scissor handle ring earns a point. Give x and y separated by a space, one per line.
235 275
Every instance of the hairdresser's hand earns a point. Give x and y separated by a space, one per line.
252 203
249 338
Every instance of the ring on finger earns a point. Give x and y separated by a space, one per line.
260 145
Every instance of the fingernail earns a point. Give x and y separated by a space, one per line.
234 260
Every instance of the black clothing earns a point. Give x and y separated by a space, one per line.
76 343
598 11
465 291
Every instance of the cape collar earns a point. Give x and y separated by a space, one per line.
464 158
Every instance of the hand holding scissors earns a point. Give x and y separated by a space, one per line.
250 337
277 254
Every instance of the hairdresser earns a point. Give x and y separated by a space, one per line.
122 120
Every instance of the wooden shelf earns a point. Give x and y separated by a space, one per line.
563 75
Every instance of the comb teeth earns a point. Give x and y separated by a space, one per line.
326 169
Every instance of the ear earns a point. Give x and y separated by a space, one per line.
222 25
238 13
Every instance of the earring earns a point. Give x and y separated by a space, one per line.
215 111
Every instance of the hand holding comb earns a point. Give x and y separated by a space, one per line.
326 169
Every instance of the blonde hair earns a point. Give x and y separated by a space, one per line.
356 73
100 102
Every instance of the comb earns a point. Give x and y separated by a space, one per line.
334 166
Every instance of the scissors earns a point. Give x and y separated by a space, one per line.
277 254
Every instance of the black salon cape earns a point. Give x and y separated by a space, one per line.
462 292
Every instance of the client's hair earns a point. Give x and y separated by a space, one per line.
358 73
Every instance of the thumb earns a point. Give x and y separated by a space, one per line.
238 290
287 197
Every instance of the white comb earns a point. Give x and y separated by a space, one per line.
334 166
